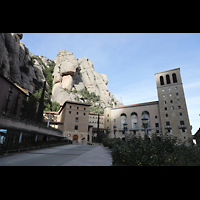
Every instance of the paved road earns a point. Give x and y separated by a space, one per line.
66 155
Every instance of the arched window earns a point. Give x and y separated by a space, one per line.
123 119
174 78
161 80
168 79
134 121
146 114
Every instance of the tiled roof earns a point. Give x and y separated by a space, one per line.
138 104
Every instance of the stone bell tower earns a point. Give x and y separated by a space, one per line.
172 105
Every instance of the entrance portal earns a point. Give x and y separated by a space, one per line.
75 139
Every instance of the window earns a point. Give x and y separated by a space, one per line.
70 112
156 125
168 79
107 115
177 94
176 88
174 78
164 95
123 119
147 115
114 120
84 114
182 123
166 115
161 80
163 90
76 127
165 108
170 95
70 106
165 102
84 108
77 113
134 120
169 89
172 107
76 119
167 123
180 114
77 108
156 117
179 107
171 101
178 100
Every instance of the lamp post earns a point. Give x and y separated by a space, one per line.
125 130
115 129
108 129
145 122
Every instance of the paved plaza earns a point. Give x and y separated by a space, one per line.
66 155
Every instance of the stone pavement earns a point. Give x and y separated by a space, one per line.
66 155
99 156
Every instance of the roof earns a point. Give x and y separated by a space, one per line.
14 84
72 102
90 113
136 105
168 71
22 89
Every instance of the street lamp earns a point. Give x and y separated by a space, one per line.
115 129
108 129
125 130
145 122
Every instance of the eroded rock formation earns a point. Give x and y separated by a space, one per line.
16 62
72 75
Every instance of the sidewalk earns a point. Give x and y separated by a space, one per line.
99 156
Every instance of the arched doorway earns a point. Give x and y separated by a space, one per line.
75 139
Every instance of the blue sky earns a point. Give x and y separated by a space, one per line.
130 61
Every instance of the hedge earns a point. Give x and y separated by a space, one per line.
159 150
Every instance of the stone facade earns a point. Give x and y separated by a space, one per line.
93 120
74 116
132 115
167 115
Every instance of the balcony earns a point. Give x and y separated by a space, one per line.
168 127
182 126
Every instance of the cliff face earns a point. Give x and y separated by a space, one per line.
17 64
73 79
73 76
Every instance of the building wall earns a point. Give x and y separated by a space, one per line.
172 104
75 116
13 95
114 118
93 120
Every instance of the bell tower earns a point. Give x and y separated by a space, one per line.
172 105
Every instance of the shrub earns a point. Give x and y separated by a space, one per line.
111 143
159 150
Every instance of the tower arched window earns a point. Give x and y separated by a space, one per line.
161 80
168 79
174 78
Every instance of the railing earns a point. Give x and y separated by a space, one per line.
30 148
27 121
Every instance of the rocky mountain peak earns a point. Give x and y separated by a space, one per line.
73 76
